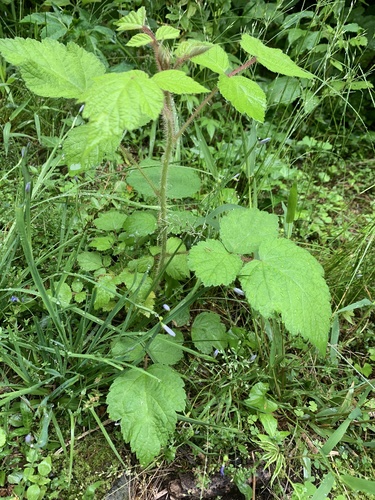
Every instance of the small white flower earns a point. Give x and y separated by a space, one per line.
168 330
166 307
239 292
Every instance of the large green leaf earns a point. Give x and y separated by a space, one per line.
273 59
51 69
244 94
183 182
118 101
85 147
140 224
167 33
147 408
288 280
242 231
208 333
177 82
216 59
139 40
110 221
213 264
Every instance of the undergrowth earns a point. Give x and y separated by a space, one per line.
155 232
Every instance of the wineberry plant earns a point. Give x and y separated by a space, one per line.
277 277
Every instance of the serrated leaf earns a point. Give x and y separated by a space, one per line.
288 280
178 267
213 264
208 333
140 224
165 349
63 294
242 231
89 261
167 33
183 182
216 59
51 69
118 101
191 48
245 95
85 147
147 408
135 20
102 243
139 40
177 82
105 291
110 221
273 59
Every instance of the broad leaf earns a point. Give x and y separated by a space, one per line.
110 221
258 400
245 95
102 243
118 101
183 182
167 33
359 484
273 59
283 90
289 280
147 408
177 82
213 264
105 291
51 69
242 231
139 40
165 349
140 224
133 21
89 261
208 333
216 59
85 147
178 267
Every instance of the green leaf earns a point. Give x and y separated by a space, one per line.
139 40
177 82
167 33
140 224
258 398
283 90
102 243
85 147
183 182
3 437
133 21
213 264
110 221
216 59
273 59
128 348
33 492
245 95
289 280
147 408
178 267
89 261
51 69
242 231
208 333
358 484
118 101
166 350
191 48
64 295
105 290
